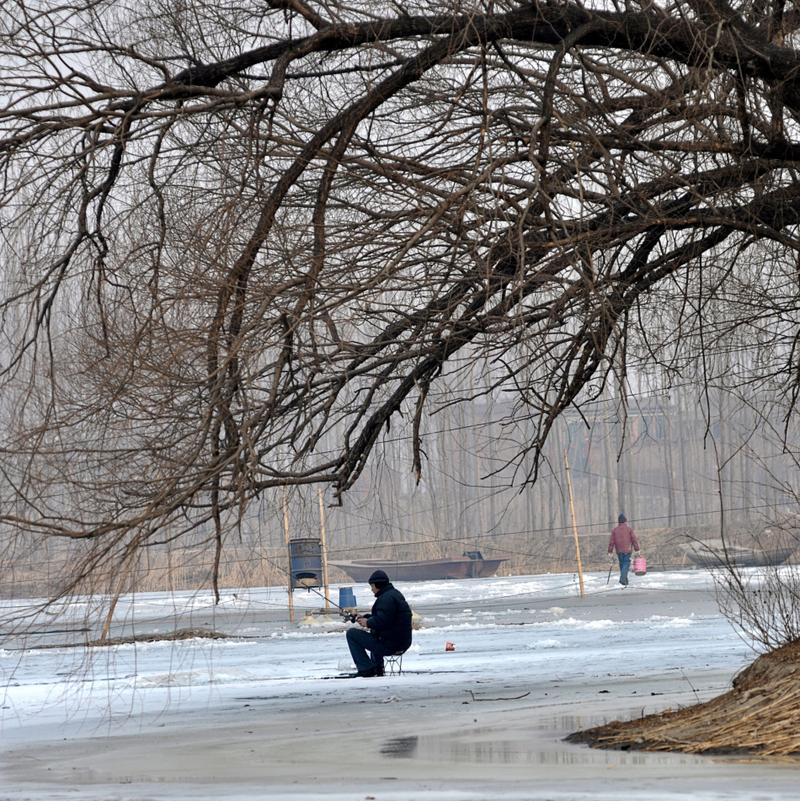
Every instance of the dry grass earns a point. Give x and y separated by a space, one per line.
759 716
178 634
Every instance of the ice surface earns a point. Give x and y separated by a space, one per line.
256 716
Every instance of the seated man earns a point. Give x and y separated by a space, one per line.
386 630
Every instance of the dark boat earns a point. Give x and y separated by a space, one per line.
712 553
471 565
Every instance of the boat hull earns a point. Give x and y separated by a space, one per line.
738 557
421 570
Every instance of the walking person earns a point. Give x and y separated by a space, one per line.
386 630
623 541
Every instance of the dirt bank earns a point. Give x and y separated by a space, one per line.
759 716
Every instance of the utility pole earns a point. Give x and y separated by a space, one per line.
324 549
574 524
288 554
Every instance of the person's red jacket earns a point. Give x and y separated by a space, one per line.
623 539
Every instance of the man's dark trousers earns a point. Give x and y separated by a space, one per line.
359 641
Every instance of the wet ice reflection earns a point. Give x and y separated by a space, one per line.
524 750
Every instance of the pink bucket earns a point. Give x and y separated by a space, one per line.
639 565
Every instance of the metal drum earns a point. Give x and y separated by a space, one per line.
305 563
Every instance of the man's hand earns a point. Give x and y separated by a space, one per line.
362 621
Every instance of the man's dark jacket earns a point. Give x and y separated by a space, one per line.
390 619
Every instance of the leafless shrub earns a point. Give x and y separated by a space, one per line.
762 602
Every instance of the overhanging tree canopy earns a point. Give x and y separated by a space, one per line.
241 239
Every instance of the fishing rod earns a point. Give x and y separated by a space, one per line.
351 616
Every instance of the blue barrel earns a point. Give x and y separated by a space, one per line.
305 563
347 600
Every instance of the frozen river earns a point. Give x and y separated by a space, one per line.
256 715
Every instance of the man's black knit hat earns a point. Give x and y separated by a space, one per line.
378 578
